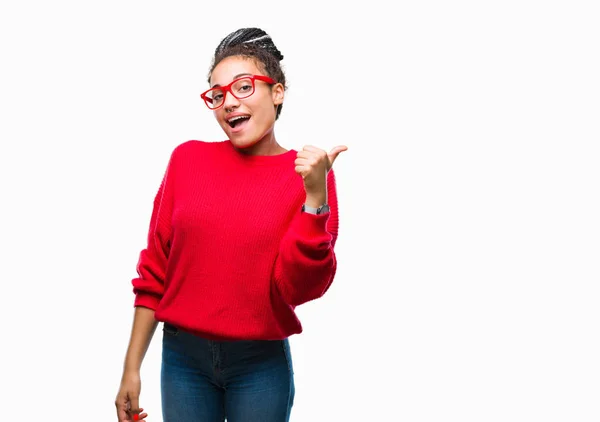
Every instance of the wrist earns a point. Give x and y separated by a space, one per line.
323 209
130 376
131 369
132 365
315 200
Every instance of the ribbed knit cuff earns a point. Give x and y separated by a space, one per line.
312 225
146 300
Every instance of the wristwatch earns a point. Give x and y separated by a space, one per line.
317 211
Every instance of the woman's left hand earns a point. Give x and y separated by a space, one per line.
313 164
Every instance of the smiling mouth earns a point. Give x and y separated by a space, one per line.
237 120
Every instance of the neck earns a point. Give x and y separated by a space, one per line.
267 145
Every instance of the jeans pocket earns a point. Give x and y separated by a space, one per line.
170 329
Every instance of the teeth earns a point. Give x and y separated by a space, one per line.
233 119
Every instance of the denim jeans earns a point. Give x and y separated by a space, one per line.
209 381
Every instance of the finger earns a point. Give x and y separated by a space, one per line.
134 409
301 170
310 148
305 154
136 414
139 414
335 152
312 160
139 417
135 404
122 413
302 161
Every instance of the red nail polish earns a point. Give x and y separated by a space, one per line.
136 417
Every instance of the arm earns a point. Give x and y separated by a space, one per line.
148 287
127 401
306 263
142 331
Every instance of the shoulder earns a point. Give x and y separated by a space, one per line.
198 149
198 146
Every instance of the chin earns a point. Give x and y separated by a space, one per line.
242 143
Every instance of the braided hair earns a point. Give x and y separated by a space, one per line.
256 44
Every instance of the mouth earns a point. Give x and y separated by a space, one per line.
238 122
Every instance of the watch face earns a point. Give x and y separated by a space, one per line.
323 209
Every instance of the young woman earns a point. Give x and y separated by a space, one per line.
242 232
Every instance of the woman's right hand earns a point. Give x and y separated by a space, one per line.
127 400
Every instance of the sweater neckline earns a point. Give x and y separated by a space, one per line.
284 157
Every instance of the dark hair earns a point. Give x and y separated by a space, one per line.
255 44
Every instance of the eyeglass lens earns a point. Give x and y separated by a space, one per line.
240 89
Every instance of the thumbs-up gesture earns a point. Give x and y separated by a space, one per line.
313 164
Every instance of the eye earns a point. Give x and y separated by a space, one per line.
246 88
217 97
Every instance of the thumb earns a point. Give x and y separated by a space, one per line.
335 152
135 404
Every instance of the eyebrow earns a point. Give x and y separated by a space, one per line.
235 77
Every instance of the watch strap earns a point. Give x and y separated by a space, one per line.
317 211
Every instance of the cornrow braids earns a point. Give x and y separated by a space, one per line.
255 44
252 36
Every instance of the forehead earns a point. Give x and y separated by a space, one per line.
229 68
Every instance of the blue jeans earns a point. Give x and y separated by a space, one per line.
208 381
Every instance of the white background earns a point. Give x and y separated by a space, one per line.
467 287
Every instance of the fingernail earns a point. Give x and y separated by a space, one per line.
136 417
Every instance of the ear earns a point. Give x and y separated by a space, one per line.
278 92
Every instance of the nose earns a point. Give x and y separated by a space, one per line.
230 102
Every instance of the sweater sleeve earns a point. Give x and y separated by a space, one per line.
306 263
148 287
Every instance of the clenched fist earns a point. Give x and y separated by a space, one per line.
313 164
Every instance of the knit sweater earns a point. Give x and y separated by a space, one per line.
230 254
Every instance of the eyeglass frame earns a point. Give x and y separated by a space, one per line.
227 88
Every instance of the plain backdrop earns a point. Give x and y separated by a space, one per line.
468 282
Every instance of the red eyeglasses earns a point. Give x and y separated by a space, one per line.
239 88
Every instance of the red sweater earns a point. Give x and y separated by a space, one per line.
229 253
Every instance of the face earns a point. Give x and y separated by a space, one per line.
259 108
